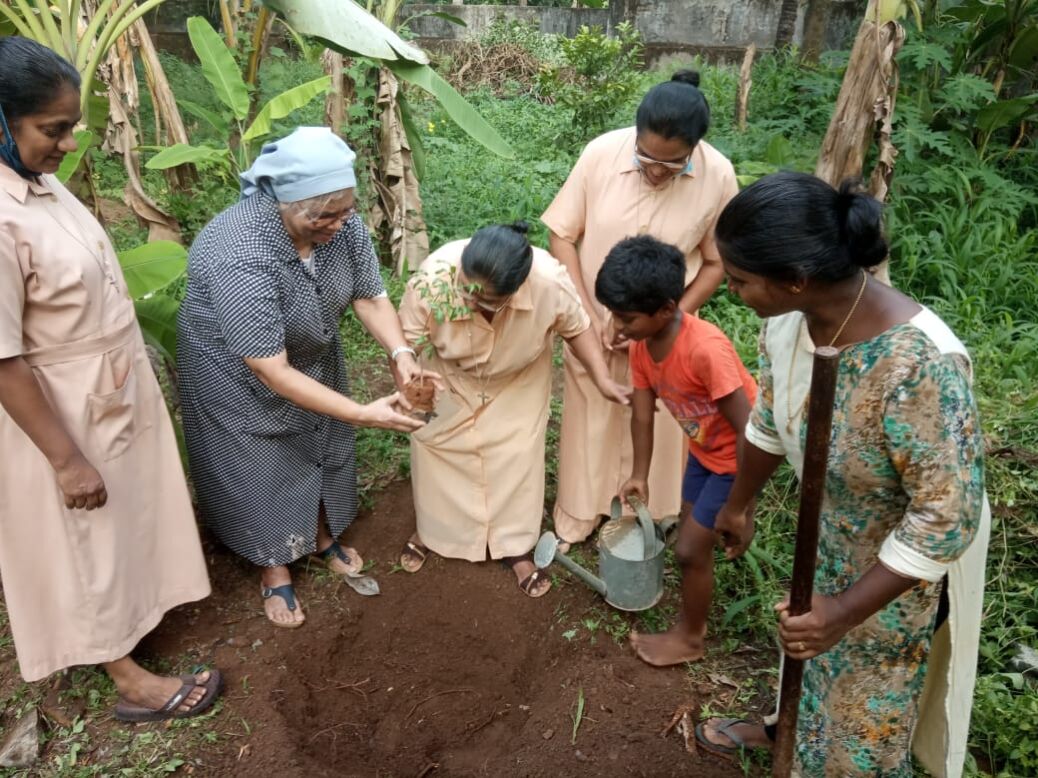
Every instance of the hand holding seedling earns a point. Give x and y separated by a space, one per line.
386 413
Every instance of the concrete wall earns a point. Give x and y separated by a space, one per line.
477 18
713 27
718 29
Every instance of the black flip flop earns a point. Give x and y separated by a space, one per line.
128 711
334 551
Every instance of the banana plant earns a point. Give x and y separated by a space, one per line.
56 24
150 270
346 27
223 74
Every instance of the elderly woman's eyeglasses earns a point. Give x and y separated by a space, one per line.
646 161
323 220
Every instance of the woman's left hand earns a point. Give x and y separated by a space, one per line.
814 632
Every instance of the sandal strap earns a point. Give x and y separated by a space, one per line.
186 687
415 550
531 580
335 550
726 730
286 592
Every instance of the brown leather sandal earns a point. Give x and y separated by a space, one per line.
415 551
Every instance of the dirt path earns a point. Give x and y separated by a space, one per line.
450 672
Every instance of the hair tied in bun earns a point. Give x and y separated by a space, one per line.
520 226
690 77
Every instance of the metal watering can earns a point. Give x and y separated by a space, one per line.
630 558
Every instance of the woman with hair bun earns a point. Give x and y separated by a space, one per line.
97 535
891 639
484 312
658 178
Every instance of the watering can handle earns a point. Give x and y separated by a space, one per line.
647 525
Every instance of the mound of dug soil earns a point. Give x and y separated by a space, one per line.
450 672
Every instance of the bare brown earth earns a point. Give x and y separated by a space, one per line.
450 672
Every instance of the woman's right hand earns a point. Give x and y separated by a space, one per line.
81 484
384 413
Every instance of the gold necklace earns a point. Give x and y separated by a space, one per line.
796 351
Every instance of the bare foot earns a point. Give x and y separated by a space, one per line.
523 568
277 605
673 647
733 734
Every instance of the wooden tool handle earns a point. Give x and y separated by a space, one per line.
824 372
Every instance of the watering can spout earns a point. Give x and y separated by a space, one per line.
547 551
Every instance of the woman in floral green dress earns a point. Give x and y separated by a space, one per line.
904 514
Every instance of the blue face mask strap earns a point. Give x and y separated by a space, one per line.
9 151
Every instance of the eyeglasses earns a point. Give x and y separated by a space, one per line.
472 297
675 166
321 222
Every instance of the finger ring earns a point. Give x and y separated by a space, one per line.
801 646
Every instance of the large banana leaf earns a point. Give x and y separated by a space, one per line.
281 106
152 266
157 316
212 118
218 66
345 26
185 154
85 139
456 106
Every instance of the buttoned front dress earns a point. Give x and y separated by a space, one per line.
604 200
83 587
262 465
477 469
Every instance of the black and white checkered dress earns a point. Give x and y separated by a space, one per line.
261 465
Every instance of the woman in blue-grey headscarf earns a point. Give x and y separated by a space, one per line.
267 417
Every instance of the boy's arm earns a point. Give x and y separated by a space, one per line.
735 407
643 411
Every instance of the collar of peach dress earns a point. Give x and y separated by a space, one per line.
19 187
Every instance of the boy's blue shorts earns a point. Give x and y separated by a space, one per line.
706 490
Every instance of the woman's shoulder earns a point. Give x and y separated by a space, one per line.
910 351
546 270
442 259
714 160
243 223
609 146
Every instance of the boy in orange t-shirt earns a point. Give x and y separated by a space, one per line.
692 367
